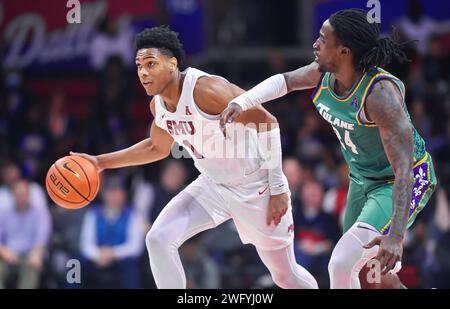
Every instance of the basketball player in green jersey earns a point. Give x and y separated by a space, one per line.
391 174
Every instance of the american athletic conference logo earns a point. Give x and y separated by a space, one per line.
291 228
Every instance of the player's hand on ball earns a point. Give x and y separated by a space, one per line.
278 205
229 115
93 159
390 252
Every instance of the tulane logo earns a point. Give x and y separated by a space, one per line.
354 102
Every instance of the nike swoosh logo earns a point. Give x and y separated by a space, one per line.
261 193
70 170
366 228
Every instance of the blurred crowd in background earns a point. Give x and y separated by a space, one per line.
46 114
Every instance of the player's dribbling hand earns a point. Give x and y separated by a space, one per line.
229 115
278 205
93 159
390 252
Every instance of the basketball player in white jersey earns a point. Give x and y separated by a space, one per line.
186 107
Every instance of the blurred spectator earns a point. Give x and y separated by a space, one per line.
16 100
294 173
34 142
65 242
151 198
23 238
316 233
201 271
112 239
414 254
312 141
242 267
239 265
61 125
115 38
436 64
335 199
437 266
111 115
238 23
416 26
420 118
11 175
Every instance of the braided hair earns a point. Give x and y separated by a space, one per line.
353 30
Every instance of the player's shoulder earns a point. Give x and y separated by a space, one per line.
384 101
213 92
383 90
210 85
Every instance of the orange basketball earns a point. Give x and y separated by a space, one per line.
72 182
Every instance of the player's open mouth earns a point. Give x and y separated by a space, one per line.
316 56
146 83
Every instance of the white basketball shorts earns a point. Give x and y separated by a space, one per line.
246 202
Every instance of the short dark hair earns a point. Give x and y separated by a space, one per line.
162 38
352 29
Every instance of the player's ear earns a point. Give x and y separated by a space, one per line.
345 51
173 64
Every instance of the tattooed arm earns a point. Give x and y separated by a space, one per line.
384 106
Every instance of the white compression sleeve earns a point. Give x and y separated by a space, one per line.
285 271
349 256
270 148
272 88
181 219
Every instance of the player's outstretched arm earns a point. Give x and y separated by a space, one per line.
212 95
151 149
272 88
384 106
303 78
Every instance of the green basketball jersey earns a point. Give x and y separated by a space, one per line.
360 139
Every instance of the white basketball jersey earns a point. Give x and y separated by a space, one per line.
222 160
